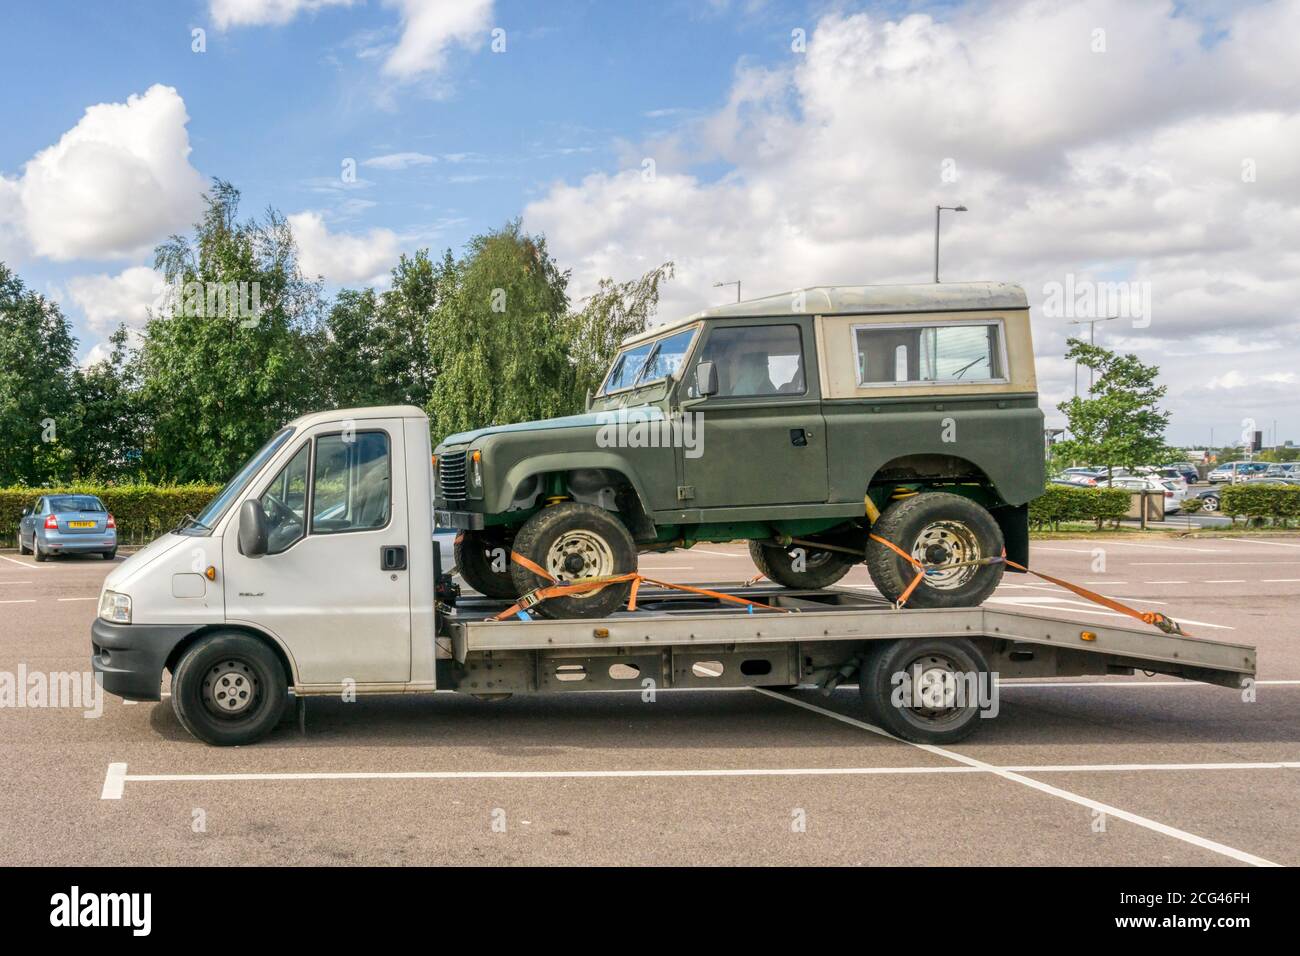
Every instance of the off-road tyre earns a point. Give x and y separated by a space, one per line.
821 569
936 527
594 537
477 559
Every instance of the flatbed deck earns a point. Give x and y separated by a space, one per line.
672 632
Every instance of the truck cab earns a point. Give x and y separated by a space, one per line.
334 504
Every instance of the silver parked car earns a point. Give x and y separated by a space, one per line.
67 524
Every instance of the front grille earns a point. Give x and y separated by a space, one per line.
451 476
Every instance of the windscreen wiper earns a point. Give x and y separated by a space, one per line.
188 520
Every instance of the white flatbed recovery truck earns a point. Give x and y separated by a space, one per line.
314 572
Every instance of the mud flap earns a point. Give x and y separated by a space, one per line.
1013 520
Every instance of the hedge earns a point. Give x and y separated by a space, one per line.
1060 503
142 512
1279 503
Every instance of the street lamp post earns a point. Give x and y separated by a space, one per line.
1092 340
937 211
735 282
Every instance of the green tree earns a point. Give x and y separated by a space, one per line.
110 420
612 313
221 370
37 407
499 335
1119 424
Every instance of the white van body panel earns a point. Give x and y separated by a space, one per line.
148 576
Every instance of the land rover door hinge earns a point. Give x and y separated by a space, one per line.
685 492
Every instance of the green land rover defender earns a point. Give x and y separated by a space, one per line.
810 424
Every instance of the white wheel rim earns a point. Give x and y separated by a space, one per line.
947 542
594 551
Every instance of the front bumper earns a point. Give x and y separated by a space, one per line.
130 658
460 520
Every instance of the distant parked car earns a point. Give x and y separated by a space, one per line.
1187 470
1237 471
1174 494
1287 469
67 524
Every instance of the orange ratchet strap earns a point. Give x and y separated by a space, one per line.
537 595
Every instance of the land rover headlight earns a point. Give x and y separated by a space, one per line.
476 468
115 607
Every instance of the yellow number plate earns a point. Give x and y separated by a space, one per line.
81 524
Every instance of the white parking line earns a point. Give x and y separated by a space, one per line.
720 554
1208 564
22 601
1280 581
116 778
1225 581
21 564
1007 684
1276 544
1018 777
15 582
79 599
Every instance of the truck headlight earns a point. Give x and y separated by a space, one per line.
115 607
476 468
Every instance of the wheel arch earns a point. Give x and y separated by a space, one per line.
633 509
182 646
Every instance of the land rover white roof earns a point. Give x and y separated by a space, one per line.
864 300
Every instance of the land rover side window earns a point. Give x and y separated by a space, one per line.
285 503
948 352
351 483
756 360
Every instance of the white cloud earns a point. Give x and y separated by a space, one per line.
398 160
108 300
1122 164
429 28
240 13
342 258
111 187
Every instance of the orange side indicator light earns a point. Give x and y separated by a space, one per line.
211 573
1087 635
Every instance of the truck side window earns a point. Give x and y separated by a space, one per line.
351 483
756 360
285 503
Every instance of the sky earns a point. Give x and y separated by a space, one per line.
1135 161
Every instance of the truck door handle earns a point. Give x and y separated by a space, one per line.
392 557
799 437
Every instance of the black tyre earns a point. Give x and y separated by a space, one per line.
573 541
936 528
110 555
937 699
799 566
22 548
36 546
229 689
483 560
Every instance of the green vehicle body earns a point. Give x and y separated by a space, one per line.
787 464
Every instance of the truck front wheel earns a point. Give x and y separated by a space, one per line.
483 560
937 529
799 566
573 541
229 688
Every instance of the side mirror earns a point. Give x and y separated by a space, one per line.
26 512
706 379
588 399
252 529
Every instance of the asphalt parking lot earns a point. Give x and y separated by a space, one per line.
1096 771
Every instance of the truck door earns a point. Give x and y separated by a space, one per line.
334 585
761 438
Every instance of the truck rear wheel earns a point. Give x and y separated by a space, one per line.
799 566
573 541
925 691
936 528
483 560
229 688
